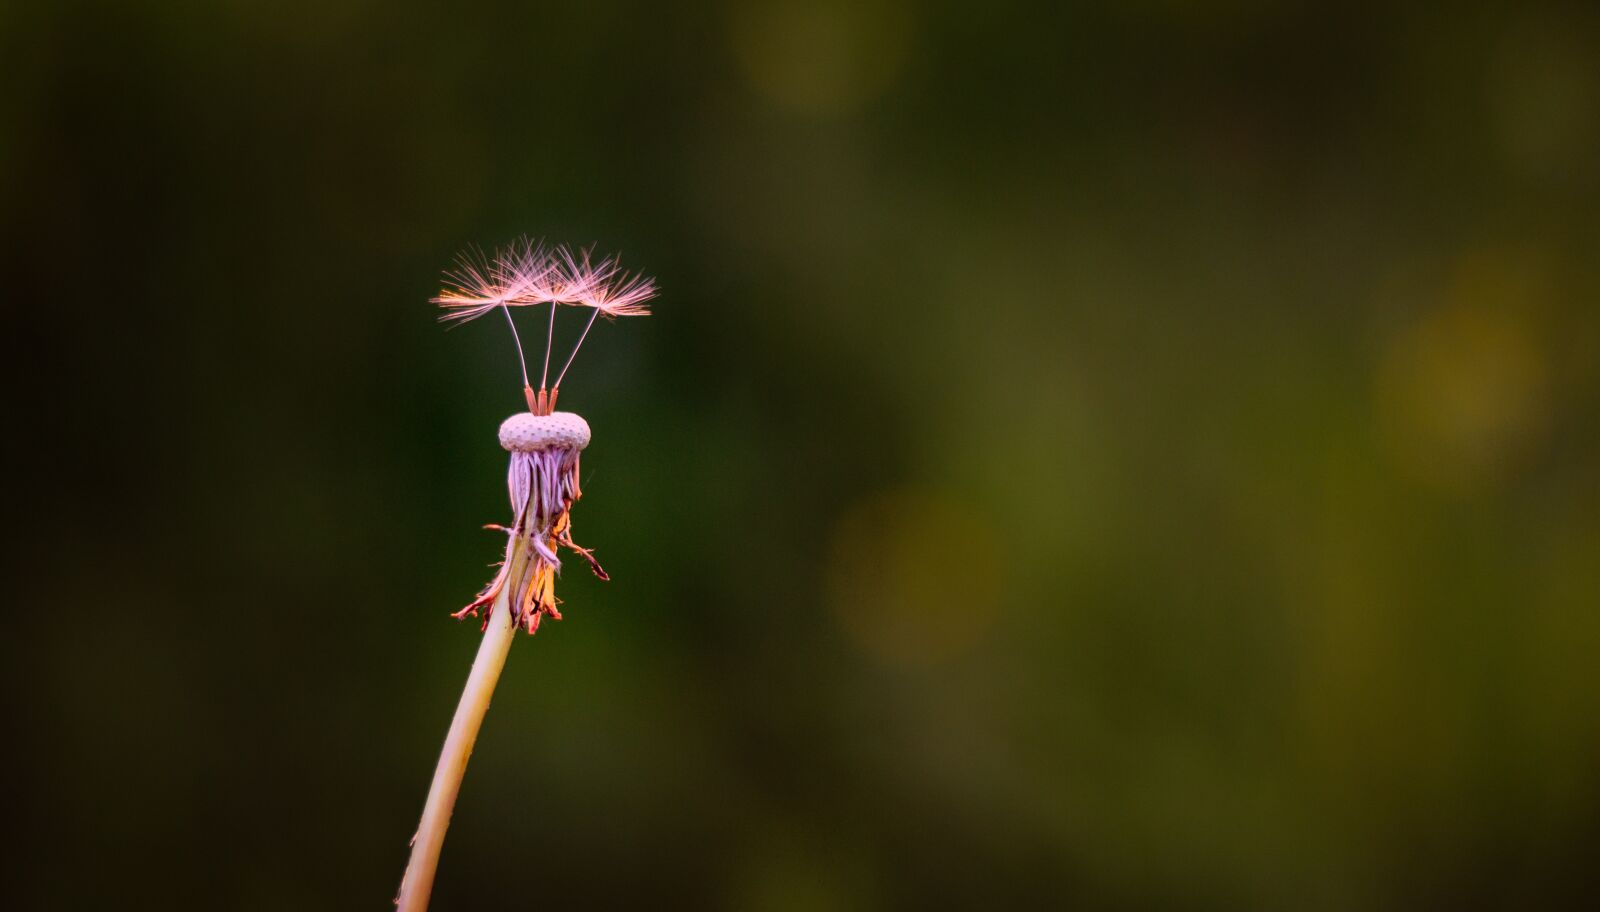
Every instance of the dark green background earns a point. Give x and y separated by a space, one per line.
1140 455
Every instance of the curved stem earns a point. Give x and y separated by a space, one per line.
417 885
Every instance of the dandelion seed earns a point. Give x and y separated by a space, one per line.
603 285
624 296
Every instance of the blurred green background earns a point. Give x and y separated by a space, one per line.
1135 455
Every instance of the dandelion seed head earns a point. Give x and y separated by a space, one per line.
544 444
526 432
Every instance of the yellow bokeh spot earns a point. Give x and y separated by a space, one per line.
821 58
1463 391
914 577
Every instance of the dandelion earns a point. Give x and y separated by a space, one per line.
543 483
